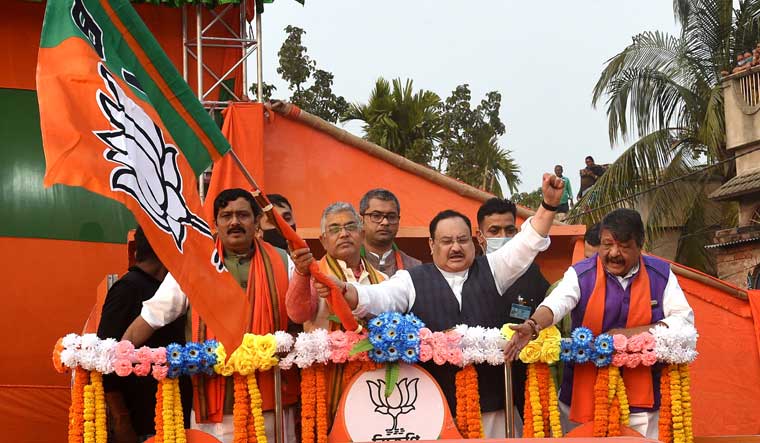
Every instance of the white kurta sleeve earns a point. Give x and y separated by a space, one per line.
677 311
166 305
395 294
511 261
564 297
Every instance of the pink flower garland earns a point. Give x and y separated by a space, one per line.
634 351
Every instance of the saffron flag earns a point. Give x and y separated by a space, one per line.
118 119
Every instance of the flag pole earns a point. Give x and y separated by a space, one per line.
509 402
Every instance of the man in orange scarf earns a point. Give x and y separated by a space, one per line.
617 291
260 269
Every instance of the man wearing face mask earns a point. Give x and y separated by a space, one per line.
496 226
270 233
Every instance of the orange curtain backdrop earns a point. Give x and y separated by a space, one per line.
21 25
726 375
244 129
48 290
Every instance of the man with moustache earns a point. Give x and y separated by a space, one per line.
236 216
381 213
617 291
460 288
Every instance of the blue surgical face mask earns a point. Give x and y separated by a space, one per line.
494 243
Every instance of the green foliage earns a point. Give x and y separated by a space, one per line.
267 91
530 200
469 148
665 92
401 120
297 69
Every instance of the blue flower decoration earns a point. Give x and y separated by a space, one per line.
376 338
174 354
411 338
603 344
209 346
602 360
376 323
378 355
566 352
414 321
582 335
392 353
411 356
390 334
193 352
174 371
582 354
191 368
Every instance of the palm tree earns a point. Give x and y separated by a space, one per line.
495 161
665 91
400 120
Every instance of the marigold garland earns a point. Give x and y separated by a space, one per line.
240 409
321 391
89 414
543 375
179 416
474 423
258 415
665 423
461 396
527 412
601 406
308 403
167 411
535 404
159 415
676 406
683 369
625 408
613 422
76 423
554 420
101 430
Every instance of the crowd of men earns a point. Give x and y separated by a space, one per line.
499 284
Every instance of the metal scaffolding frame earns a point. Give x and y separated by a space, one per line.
233 35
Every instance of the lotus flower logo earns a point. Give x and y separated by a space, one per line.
148 165
407 390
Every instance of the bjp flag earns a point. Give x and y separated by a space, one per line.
118 119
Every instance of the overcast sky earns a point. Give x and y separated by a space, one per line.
543 57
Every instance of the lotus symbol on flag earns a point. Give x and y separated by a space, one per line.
148 165
407 397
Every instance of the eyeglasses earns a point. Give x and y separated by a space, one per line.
349 227
449 241
377 217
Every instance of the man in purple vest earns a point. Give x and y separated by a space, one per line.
460 288
622 236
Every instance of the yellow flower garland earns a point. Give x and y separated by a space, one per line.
179 416
683 369
676 406
89 414
168 411
258 415
554 419
625 408
101 430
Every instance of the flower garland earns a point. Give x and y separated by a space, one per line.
179 418
468 417
308 403
536 419
240 409
159 414
321 391
89 414
601 403
258 416
101 430
391 338
76 411
665 423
